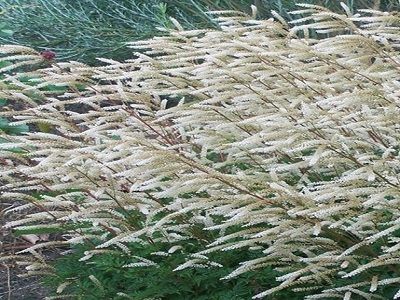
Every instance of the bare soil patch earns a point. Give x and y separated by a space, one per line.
12 286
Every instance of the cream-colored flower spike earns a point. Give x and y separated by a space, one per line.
285 138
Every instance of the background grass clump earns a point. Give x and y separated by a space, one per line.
86 29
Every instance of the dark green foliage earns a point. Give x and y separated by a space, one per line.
161 282
86 29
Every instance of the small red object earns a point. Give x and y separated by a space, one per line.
48 55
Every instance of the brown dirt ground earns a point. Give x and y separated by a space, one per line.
12 286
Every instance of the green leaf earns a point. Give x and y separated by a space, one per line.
10 129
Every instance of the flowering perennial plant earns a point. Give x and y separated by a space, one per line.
281 143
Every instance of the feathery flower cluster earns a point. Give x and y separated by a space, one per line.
286 138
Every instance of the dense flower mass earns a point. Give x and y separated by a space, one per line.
285 142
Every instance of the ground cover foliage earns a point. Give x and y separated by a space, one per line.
281 159
85 29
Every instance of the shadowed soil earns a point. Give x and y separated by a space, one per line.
12 286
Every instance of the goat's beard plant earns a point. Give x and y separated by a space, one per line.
281 143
